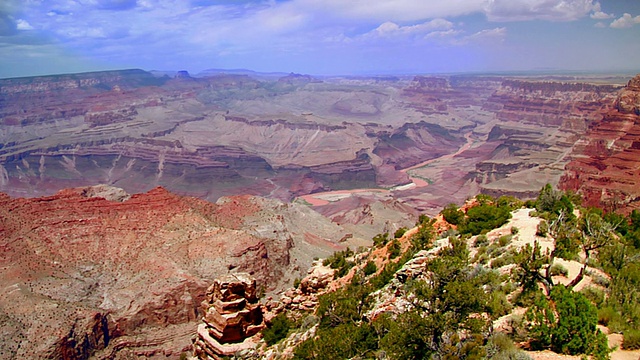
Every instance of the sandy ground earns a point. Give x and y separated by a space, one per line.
527 235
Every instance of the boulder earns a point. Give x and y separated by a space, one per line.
232 317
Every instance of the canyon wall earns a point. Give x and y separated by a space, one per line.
297 135
604 167
537 124
208 137
98 271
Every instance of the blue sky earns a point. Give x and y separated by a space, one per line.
322 37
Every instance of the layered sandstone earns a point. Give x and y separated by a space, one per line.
232 316
208 137
96 271
604 166
430 139
538 123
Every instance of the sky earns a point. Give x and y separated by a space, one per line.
319 37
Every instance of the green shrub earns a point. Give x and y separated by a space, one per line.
494 250
631 340
501 261
380 240
509 202
553 201
423 238
296 282
514 230
607 315
339 262
422 219
452 214
398 234
501 347
278 329
498 305
600 280
558 270
504 240
481 240
448 233
508 287
370 268
308 322
483 218
542 229
566 324
484 199
394 249
595 295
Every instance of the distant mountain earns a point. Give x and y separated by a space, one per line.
212 72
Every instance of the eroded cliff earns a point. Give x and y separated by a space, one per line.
605 162
92 269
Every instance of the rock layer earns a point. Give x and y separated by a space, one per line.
232 316
85 275
282 138
605 163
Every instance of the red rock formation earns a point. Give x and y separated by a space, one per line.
232 317
605 163
549 103
91 269
538 123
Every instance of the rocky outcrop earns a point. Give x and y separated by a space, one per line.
604 166
97 271
551 103
539 121
415 143
232 317
628 101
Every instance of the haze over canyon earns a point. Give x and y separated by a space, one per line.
424 140
368 153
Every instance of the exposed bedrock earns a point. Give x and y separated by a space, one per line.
94 271
232 316
415 143
432 95
207 172
539 121
604 166
548 103
234 134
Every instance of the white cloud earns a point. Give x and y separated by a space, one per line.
391 29
23 25
626 21
417 10
551 10
391 10
446 34
598 14
600 25
487 35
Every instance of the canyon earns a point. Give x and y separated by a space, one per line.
98 270
202 177
296 135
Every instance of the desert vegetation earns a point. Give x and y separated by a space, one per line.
477 291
